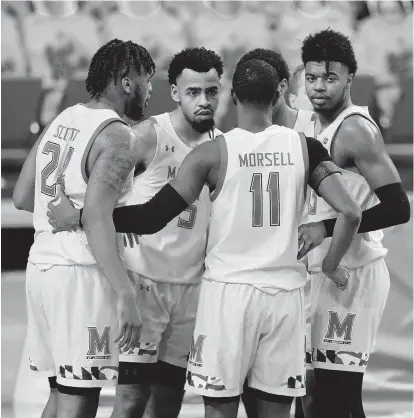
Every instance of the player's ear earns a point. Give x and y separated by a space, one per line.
283 87
233 97
126 84
350 80
174 93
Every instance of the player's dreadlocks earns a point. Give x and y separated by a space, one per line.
329 46
255 81
114 60
273 58
200 60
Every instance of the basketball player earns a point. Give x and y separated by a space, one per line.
81 305
166 268
344 324
249 291
299 120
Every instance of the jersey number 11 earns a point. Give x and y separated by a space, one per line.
256 188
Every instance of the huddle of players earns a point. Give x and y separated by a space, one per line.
83 306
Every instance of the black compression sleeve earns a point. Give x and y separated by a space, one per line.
393 209
320 163
151 216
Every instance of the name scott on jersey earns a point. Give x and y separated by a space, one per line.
267 159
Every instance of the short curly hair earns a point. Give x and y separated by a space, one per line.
273 58
329 46
201 60
114 60
255 82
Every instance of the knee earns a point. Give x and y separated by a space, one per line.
132 399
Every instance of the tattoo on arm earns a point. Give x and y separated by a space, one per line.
117 159
114 170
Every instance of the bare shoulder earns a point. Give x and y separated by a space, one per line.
359 129
116 135
145 132
358 134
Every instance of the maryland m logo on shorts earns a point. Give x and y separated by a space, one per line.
339 332
99 344
196 349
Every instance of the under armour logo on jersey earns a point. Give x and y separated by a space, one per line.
145 287
167 148
325 140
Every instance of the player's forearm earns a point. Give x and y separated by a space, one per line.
152 216
344 232
393 209
102 240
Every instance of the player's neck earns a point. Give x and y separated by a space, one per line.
283 115
107 103
253 120
326 117
184 130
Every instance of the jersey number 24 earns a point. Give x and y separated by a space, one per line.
54 149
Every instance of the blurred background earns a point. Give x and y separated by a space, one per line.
46 47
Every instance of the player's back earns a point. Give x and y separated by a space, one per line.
257 205
62 152
367 247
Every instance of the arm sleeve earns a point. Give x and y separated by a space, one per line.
152 216
393 209
320 163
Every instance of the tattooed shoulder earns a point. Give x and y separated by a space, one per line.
118 156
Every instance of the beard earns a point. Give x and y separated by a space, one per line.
135 108
134 111
201 126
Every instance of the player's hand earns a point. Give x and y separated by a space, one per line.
310 236
340 276
63 216
130 322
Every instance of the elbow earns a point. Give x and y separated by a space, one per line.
19 201
405 212
353 214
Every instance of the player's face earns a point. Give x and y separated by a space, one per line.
140 94
197 95
300 99
327 89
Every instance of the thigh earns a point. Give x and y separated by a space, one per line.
153 302
344 323
80 306
38 331
176 339
279 365
224 339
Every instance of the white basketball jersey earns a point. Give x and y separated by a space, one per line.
365 247
257 205
305 123
63 151
176 253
